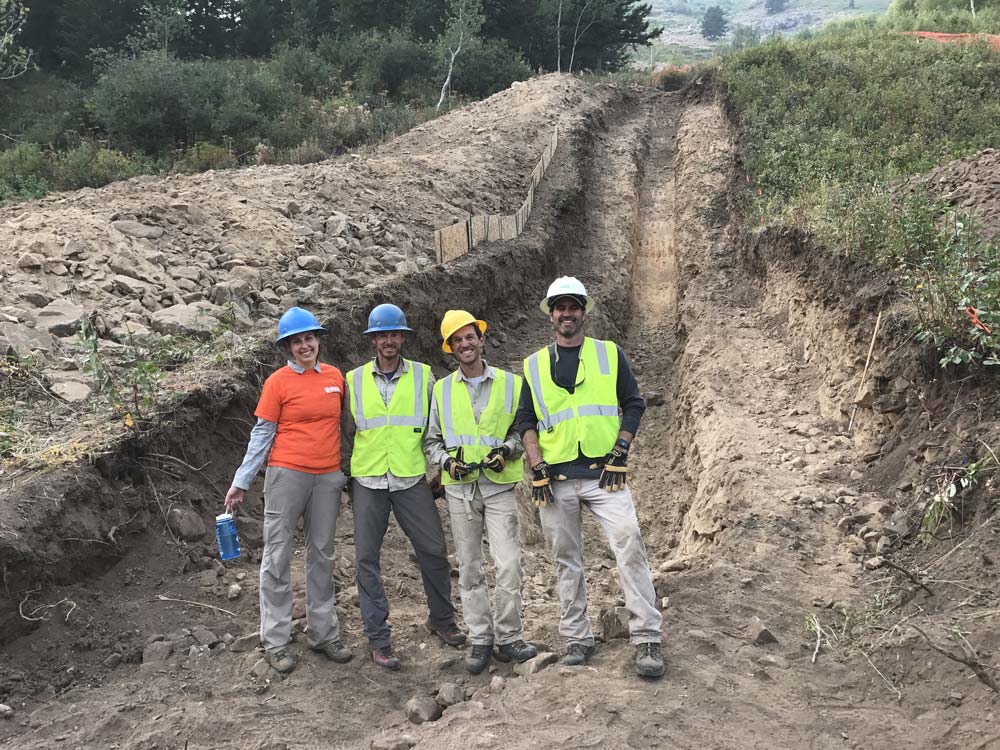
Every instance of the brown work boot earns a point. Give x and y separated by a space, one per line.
334 651
449 633
281 660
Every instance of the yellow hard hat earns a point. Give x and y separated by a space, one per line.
455 319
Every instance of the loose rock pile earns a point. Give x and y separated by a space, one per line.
971 185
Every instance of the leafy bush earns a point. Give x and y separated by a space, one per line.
484 68
305 68
396 61
671 77
204 156
25 173
41 108
90 165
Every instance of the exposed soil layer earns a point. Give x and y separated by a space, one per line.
759 507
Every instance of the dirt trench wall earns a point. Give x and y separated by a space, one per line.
77 519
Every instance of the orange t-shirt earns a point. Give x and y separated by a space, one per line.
306 408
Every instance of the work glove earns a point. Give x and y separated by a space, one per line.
613 475
541 490
456 467
496 459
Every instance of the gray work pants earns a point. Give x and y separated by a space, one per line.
498 514
289 494
563 527
417 515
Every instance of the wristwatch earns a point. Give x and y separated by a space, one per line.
622 443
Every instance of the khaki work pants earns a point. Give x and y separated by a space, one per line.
562 524
289 494
496 514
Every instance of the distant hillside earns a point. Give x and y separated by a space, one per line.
681 21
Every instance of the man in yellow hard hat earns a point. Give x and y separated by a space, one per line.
577 443
471 436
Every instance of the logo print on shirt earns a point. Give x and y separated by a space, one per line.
332 388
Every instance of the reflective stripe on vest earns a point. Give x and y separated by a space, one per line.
460 429
585 421
389 438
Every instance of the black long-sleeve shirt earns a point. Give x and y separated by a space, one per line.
564 369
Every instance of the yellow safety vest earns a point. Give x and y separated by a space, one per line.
585 421
389 438
459 427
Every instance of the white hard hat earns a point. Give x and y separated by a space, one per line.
566 286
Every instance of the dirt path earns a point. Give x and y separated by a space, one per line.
738 479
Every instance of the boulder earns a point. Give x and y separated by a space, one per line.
195 319
186 524
449 694
536 665
21 341
614 623
70 387
420 709
311 262
61 317
129 286
137 229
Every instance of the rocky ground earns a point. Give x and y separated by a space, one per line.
784 545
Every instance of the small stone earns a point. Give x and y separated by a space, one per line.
614 623
420 709
874 563
898 524
29 261
535 665
856 475
883 545
497 684
135 229
811 448
673 566
655 398
247 642
904 486
61 317
112 660
234 591
955 698
157 652
760 635
311 262
186 524
261 669
6 712
69 389
204 636
394 742
449 694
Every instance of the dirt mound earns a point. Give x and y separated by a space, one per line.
971 185
992 39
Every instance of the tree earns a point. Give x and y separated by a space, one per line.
464 22
714 24
14 59
775 6
589 13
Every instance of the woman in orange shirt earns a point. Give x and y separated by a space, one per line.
298 433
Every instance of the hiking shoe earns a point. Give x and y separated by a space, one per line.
478 658
386 658
576 654
649 660
449 633
334 651
281 660
518 651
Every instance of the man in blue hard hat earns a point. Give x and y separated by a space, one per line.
382 450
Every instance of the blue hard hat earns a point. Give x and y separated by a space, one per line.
296 320
386 317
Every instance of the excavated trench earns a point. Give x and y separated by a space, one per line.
738 474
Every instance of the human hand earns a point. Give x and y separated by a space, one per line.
541 489
496 459
613 475
234 498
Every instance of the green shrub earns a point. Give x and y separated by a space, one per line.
204 156
25 172
397 61
90 165
484 68
41 108
305 68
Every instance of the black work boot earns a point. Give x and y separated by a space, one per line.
577 654
518 651
448 633
649 660
478 657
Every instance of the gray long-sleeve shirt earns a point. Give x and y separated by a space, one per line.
348 428
479 394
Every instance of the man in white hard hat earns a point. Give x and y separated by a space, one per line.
577 446
471 436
